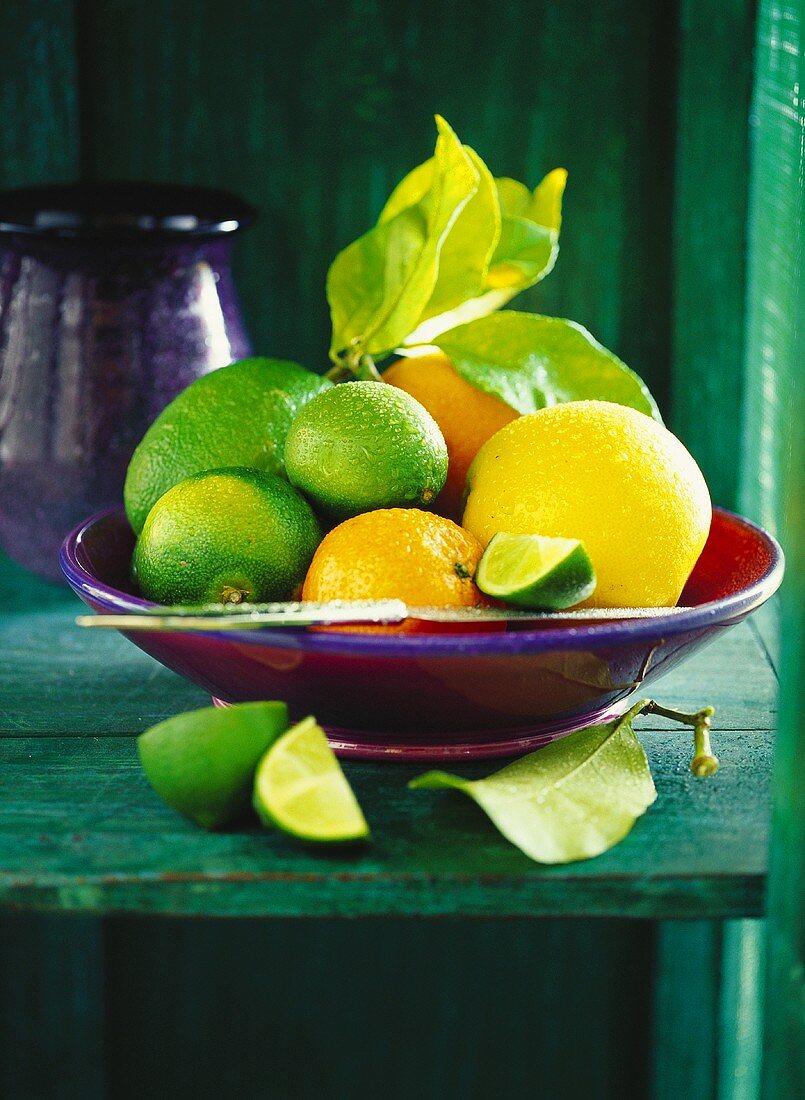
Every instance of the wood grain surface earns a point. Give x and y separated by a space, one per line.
710 227
314 110
40 136
773 490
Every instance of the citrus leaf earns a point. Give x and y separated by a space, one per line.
573 799
411 190
513 196
529 239
469 246
530 362
379 286
545 207
529 235
466 251
526 252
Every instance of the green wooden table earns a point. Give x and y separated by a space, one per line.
81 830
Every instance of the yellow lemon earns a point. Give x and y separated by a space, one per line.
606 475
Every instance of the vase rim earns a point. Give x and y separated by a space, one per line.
120 210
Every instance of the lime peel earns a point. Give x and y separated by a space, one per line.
202 762
299 787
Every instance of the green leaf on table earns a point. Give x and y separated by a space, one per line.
530 362
573 799
379 286
526 251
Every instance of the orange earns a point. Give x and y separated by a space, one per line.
467 416
397 553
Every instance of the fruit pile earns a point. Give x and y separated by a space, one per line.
499 455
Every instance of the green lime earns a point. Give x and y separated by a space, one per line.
300 788
536 572
236 416
365 445
226 536
202 763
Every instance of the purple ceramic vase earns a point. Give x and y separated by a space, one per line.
113 298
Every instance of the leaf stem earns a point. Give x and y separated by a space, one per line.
366 370
705 762
355 364
339 372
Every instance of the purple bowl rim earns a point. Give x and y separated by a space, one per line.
722 612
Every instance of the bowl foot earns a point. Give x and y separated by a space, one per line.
470 745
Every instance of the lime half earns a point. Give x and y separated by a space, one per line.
300 788
202 763
536 572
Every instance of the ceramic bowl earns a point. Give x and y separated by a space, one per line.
438 696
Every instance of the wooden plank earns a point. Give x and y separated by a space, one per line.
707 1029
773 491
21 591
39 139
775 306
99 683
707 1024
51 1004
741 1010
51 1007
785 987
316 128
491 1008
715 84
80 830
55 679
684 1040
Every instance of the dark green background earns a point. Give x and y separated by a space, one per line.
312 110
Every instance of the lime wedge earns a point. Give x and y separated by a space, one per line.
300 788
536 572
202 763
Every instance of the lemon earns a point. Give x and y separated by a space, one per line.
536 572
236 416
202 763
365 445
300 788
226 536
604 474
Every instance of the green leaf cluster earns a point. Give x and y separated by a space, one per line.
450 245
451 248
